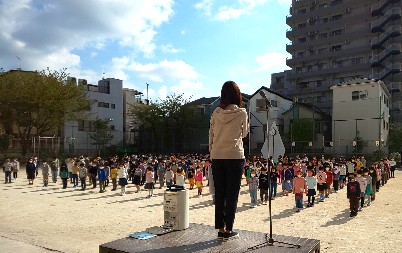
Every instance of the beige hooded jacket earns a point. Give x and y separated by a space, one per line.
227 128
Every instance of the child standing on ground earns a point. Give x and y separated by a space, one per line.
369 189
328 181
273 182
198 180
253 188
83 176
299 187
149 181
263 182
321 182
311 182
102 177
336 176
179 176
190 176
169 176
363 184
287 180
45 173
113 176
342 175
353 194
137 179
122 174
373 175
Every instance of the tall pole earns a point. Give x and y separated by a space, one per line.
147 93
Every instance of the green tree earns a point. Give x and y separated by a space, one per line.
4 142
102 134
395 138
303 130
167 123
39 102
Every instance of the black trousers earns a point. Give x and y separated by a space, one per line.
336 185
354 204
227 175
93 179
64 180
8 176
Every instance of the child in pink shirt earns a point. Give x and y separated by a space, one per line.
299 187
199 176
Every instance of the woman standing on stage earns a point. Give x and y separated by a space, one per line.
228 125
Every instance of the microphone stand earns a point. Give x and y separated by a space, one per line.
270 241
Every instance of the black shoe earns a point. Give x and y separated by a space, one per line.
221 235
230 236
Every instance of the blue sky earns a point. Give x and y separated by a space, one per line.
182 46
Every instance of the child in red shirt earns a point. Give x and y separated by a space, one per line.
328 181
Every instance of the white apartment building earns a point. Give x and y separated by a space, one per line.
258 117
360 109
106 102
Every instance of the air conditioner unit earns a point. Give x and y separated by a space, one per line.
295 99
314 3
347 40
347 10
309 33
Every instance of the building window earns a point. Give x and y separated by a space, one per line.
301 11
274 103
336 48
302 85
86 126
319 83
336 32
323 35
113 106
321 50
300 55
301 40
321 6
359 95
103 104
302 25
336 17
336 2
325 20
104 87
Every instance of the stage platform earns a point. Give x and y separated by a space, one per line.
202 238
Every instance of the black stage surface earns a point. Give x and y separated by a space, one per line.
202 238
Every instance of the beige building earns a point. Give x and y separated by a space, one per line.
360 118
334 41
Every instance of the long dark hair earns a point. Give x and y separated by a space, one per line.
230 94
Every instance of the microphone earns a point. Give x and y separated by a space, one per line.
267 101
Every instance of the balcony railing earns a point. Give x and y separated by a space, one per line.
394 13
391 68
331 70
378 8
392 31
392 49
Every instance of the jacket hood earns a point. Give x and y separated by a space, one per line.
228 114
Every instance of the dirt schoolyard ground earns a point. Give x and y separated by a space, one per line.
36 219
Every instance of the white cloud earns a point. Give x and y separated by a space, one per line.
170 49
187 88
93 54
36 30
226 12
205 6
183 32
271 62
285 2
163 71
